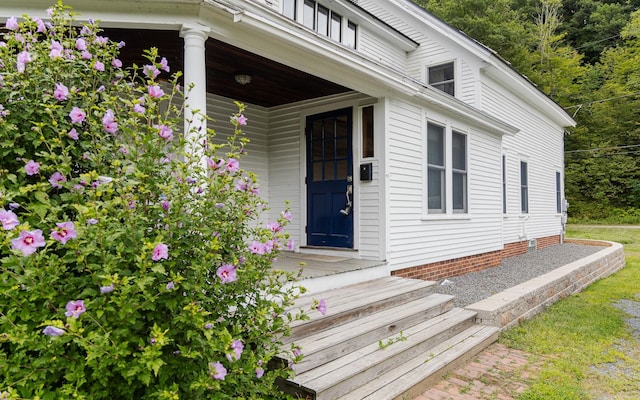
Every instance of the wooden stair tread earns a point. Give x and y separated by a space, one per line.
371 361
415 375
352 296
324 346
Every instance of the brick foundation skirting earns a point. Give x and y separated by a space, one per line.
478 262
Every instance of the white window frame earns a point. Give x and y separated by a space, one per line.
299 7
525 193
464 173
447 212
455 80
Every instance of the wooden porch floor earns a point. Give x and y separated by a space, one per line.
317 266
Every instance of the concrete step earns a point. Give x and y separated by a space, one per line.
352 302
336 341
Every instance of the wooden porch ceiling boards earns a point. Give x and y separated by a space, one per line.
272 83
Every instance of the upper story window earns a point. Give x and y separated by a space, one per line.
322 20
442 77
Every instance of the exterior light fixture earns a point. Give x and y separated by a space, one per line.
242 79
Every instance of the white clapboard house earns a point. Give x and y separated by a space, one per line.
397 139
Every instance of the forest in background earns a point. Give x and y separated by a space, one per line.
585 55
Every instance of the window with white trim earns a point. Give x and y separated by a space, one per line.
447 170
442 77
524 187
321 19
436 177
558 192
504 184
459 171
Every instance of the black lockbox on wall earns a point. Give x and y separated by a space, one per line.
366 172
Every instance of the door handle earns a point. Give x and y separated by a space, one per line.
347 209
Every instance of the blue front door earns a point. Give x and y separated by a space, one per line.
330 179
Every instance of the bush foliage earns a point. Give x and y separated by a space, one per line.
129 268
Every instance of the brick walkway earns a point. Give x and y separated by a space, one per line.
497 373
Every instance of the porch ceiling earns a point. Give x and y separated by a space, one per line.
271 84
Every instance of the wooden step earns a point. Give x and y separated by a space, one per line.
355 301
339 377
327 345
415 376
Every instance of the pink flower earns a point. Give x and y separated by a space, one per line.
56 179
290 245
227 273
274 226
52 331
81 44
23 58
257 247
61 92
41 27
9 219
286 215
101 40
28 241
322 307
56 49
233 165
12 23
155 91
32 167
139 109
98 66
160 252
109 123
73 134
240 119
86 55
150 71
164 65
217 370
164 132
107 289
170 286
75 308
64 232
77 115
259 372
236 347
116 63
214 165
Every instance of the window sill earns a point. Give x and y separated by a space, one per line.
446 217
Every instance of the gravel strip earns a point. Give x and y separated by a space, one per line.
476 286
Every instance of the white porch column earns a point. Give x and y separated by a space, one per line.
195 73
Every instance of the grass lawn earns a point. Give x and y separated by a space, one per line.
589 351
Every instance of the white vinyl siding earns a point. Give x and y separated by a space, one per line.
414 240
541 141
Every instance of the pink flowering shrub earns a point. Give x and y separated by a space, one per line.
129 269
